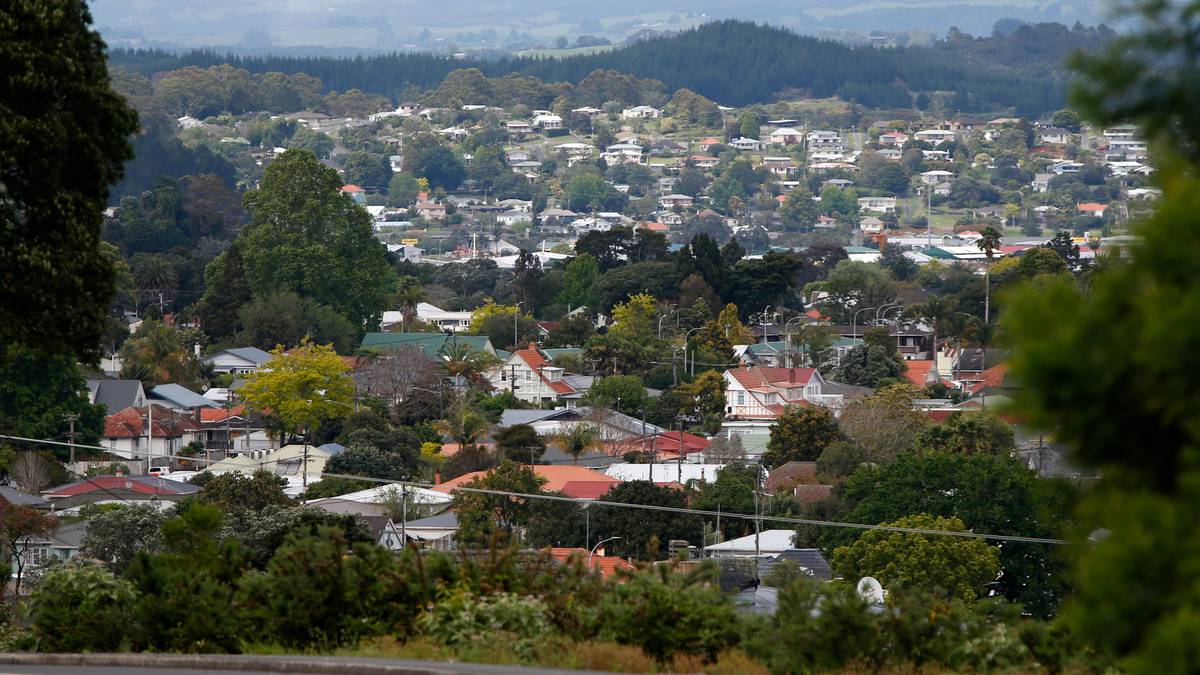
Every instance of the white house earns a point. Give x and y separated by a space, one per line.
641 112
823 140
935 177
893 139
877 204
746 144
443 319
548 121
237 360
936 136
762 393
532 378
623 153
785 136
676 200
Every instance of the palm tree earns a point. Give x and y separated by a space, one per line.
464 362
155 276
409 294
989 241
464 424
939 311
577 439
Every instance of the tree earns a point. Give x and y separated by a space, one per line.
577 439
307 237
440 166
403 189
969 434
464 424
731 492
938 311
579 276
391 375
230 491
116 535
303 387
801 434
82 608
851 286
635 318
520 443
409 294
643 534
748 125
587 192
21 528
884 424
155 354
367 170
956 566
799 211
285 318
573 331
495 520
37 392
869 366
58 102
988 493
900 266
226 291
623 393
371 462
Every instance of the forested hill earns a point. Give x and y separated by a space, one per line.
732 62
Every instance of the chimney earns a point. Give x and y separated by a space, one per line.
792 375
437 477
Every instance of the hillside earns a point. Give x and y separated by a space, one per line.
733 62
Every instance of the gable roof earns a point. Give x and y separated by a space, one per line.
147 485
607 566
131 423
433 345
918 371
116 395
18 498
758 378
536 362
992 377
556 477
180 396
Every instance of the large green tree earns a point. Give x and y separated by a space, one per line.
801 434
37 392
643 534
305 236
64 136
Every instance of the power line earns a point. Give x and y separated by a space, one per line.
646 507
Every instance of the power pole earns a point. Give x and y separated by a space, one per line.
70 418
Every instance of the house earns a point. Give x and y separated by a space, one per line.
356 193
588 111
1068 167
823 140
455 134
743 144
676 201
435 532
180 398
531 377
935 155
1041 182
445 320
893 139
559 478
1092 209
62 545
785 136
765 543
612 427
641 112
623 153
1054 135
132 434
518 128
116 395
548 121
510 218
298 464
435 346
237 360
935 136
782 167
154 490
430 210
877 204
704 161
942 189
762 393
665 472
936 176
606 566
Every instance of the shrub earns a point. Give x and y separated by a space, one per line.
81 608
463 619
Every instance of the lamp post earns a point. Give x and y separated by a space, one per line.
787 343
854 321
686 336
598 544
516 315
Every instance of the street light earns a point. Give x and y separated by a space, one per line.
516 315
685 350
854 321
787 343
598 544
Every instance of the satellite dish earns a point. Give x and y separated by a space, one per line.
869 589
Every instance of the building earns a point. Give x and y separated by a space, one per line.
237 360
533 378
877 204
785 136
935 136
155 490
641 112
762 393
824 140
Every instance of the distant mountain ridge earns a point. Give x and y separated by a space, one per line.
734 63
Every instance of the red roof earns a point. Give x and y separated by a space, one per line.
670 442
656 227
350 187
607 566
131 423
1087 207
557 477
215 414
147 485
991 377
586 489
918 371
536 361
752 378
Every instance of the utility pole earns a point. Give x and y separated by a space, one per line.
70 418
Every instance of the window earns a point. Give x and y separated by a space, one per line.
741 398
529 376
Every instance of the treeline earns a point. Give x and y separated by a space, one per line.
733 62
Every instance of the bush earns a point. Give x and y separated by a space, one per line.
81 608
668 614
462 618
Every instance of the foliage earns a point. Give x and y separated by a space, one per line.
623 393
884 424
578 278
155 354
495 519
303 387
81 607
373 462
58 102
643 534
37 391
868 366
307 237
666 614
236 490
520 443
115 536
968 434
801 434
461 618
958 567
261 532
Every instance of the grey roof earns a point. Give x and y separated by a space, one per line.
591 459
443 519
116 395
251 354
808 558
847 390
69 536
15 496
332 448
181 397
515 416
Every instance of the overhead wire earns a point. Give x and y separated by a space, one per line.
647 507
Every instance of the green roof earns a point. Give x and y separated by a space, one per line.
431 344
562 351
